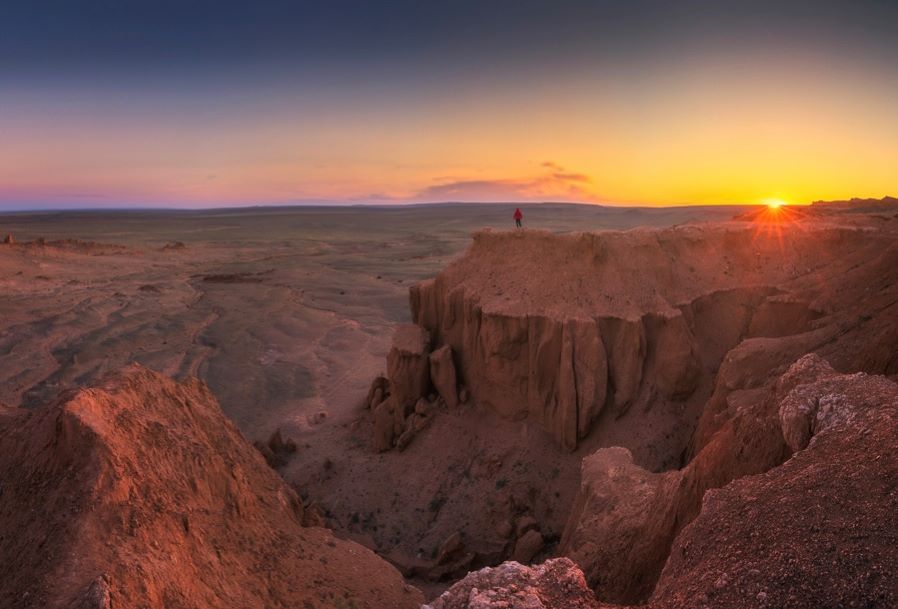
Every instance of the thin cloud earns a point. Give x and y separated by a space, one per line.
558 184
571 177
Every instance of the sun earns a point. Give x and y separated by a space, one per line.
774 203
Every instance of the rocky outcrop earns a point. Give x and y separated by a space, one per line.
402 403
527 546
139 493
276 450
586 322
442 374
408 369
555 584
619 524
807 410
625 518
384 427
817 531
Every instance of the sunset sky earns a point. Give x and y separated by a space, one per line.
201 103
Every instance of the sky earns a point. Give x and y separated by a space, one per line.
209 103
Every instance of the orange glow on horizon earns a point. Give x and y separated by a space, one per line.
709 136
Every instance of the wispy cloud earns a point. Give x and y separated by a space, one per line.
554 182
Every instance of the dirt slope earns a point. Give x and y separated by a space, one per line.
819 531
140 493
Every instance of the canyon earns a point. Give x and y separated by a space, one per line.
633 417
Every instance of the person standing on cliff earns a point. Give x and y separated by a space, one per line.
518 216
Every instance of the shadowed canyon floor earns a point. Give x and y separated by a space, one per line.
666 343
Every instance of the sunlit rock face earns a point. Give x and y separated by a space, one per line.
555 584
558 328
140 493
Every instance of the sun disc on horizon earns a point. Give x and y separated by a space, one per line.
774 203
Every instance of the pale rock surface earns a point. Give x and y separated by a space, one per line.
555 584
804 412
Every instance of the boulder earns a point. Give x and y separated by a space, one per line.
555 584
96 596
405 438
504 529
276 450
379 389
528 546
620 526
525 523
423 407
803 411
442 374
450 549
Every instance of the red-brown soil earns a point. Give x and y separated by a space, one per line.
140 493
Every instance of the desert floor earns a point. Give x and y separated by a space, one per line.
287 315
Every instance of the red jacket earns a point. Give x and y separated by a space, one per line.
517 214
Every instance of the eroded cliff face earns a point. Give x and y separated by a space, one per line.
140 493
661 349
558 328
815 531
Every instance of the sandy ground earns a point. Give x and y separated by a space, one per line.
287 314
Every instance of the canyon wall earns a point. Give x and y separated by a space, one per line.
815 531
558 328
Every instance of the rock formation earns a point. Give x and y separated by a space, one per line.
402 402
408 369
816 531
276 450
442 374
139 493
592 321
697 321
555 584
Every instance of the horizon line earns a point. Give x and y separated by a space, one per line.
340 204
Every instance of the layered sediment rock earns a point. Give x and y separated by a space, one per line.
557 328
408 369
139 493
